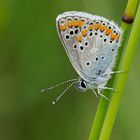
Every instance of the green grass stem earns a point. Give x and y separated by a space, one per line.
121 79
103 104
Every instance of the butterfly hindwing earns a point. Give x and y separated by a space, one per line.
91 42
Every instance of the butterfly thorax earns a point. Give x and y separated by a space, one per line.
93 83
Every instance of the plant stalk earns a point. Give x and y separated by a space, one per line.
121 79
103 104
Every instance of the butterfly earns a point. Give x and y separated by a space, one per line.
91 43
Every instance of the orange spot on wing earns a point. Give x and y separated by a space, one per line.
97 26
62 27
81 23
84 32
113 36
102 28
70 23
76 23
117 37
91 27
79 38
108 31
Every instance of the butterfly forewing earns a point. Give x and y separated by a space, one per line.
91 42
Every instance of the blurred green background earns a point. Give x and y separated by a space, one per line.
32 57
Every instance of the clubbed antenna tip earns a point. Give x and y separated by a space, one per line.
54 102
44 90
57 85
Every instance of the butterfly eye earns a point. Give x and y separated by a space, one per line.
83 84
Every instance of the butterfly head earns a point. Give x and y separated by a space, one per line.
82 85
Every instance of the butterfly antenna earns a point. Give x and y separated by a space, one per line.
57 85
54 101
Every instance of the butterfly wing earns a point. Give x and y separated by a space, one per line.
91 42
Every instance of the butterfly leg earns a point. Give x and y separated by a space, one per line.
98 89
108 88
115 72
95 93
